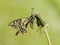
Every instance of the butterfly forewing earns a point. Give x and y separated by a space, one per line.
15 23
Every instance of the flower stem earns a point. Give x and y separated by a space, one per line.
48 38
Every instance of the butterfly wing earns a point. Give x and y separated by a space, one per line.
14 23
40 22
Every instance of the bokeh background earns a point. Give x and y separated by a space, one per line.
14 9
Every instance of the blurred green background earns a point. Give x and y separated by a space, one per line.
13 9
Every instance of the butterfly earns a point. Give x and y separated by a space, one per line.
22 23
